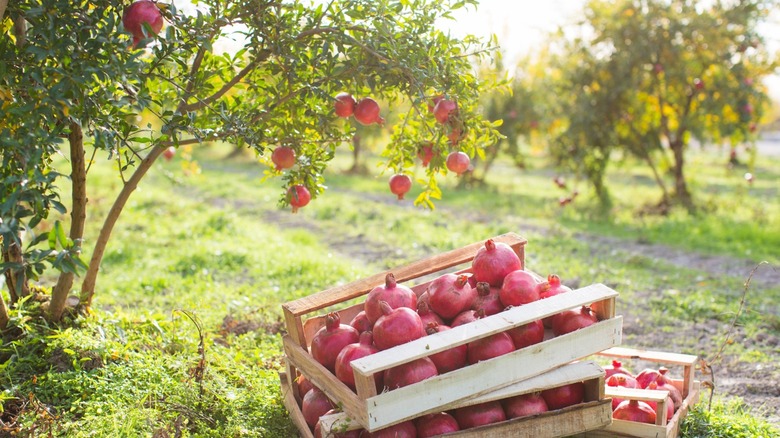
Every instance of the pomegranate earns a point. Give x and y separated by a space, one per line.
490 347
345 105
528 334
480 414
616 368
283 157
436 424
562 396
409 373
298 196
400 185
571 320
524 405
315 404
140 13
361 322
450 294
646 376
397 326
434 101
664 382
425 154
458 162
367 112
519 287
169 152
634 410
493 262
426 314
396 295
487 300
304 384
332 433
443 109
447 360
653 405
466 317
621 380
400 430
553 287
329 340
364 347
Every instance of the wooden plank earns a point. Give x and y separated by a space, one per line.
324 379
659 397
429 395
559 423
480 328
413 270
652 356
339 422
296 416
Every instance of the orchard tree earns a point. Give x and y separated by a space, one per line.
648 76
75 75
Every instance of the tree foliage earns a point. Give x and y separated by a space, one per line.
71 80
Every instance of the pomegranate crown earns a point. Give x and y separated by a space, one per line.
390 282
554 280
490 245
616 364
332 321
483 288
461 280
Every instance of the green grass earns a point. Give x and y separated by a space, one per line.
215 246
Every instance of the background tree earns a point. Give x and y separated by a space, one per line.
73 81
648 76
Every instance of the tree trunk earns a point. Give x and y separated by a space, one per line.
15 279
88 286
657 177
78 215
3 4
681 192
4 318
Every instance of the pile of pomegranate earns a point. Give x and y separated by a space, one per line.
641 411
393 315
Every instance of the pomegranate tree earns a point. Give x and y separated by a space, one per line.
329 340
344 105
367 112
394 294
283 157
400 184
396 326
493 262
450 294
298 196
140 13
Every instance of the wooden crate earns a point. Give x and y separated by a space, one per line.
669 428
375 411
595 412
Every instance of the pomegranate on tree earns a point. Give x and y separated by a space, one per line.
169 152
425 154
571 320
450 294
434 101
345 105
493 262
315 404
400 184
443 109
367 112
447 360
566 395
329 340
519 287
394 294
487 299
524 405
283 157
140 13
364 347
480 414
409 373
396 326
298 196
458 162
436 424
634 410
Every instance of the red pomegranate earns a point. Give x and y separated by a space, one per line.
432 425
562 396
367 112
480 414
400 184
410 373
425 154
458 162
493 262
140 13
298 196
329 340
450 294
396 326
443 109
487 300
634 410
364 347
571 320
345 105
283 157
528 334
447 360
394 294
524 405
519 287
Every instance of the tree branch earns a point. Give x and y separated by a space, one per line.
200 104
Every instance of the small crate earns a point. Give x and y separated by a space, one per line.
668 428
595 411
375 411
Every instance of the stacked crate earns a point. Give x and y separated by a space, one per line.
548 364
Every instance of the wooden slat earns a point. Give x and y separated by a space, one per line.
296 416
480 328
413 270
427 396
659 397
652 356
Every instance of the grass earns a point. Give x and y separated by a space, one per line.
208 258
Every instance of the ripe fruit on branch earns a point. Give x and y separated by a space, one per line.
169 152
443 109
345 105
329 340
367 112
283 157
397 326
140 13
494 261
425 154
458 162
298 196
394 294
434 101
400 185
